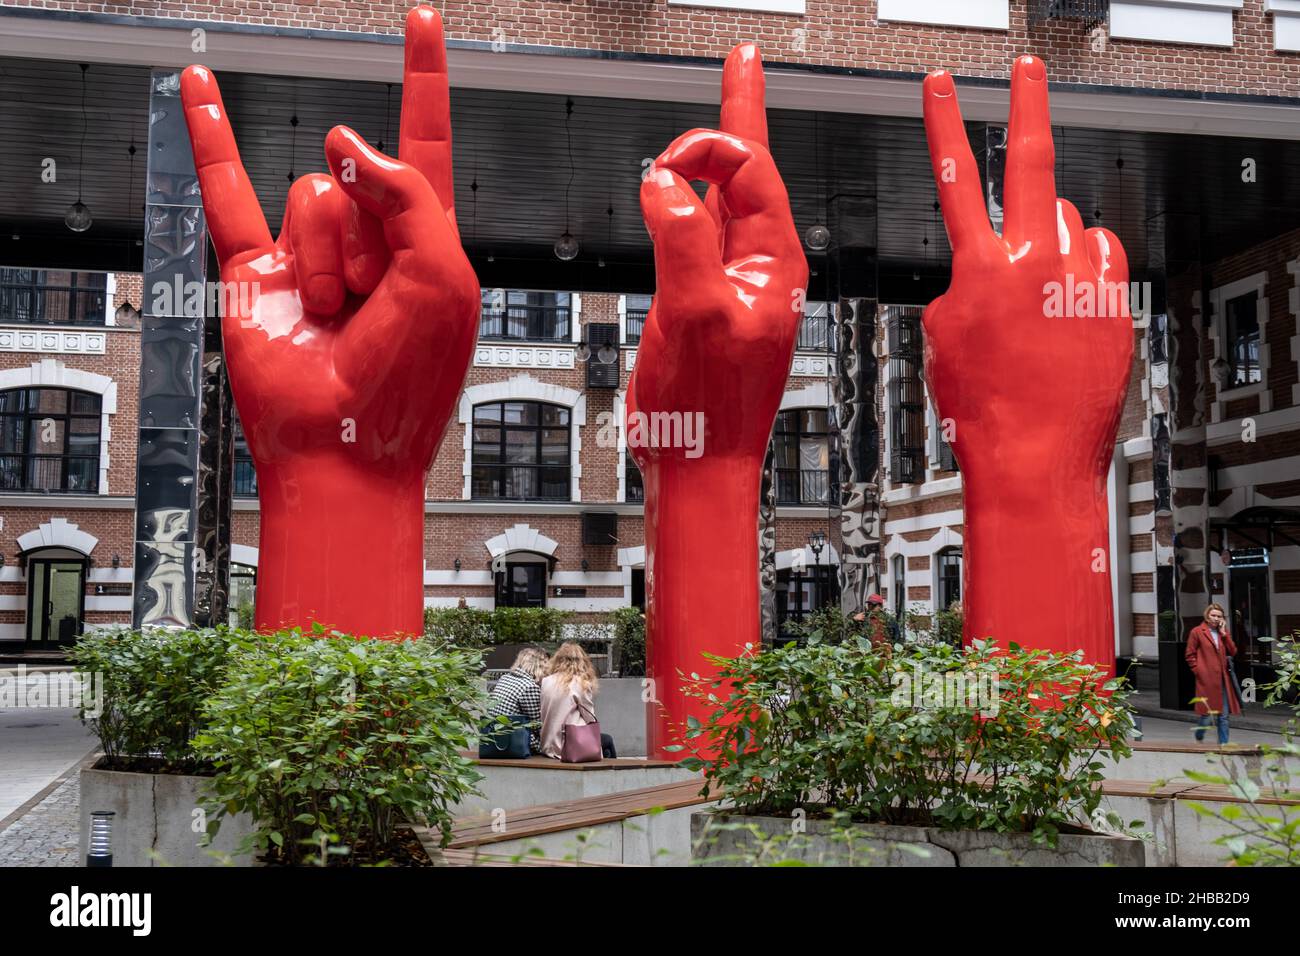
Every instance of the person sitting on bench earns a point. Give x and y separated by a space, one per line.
518 693
568 697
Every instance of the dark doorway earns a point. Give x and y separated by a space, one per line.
638 588
522 585
56 602
801 593
1250 616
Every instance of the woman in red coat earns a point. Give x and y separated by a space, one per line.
1209 646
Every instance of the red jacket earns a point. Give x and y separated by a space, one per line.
1210 668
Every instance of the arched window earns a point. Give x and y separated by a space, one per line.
49 440
801 447
520 451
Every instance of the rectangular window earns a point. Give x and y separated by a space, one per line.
906 395
636 310
49 441
1241 317
632 485
521 585
53 296
801 457
520 451
949 578
815 330
525 316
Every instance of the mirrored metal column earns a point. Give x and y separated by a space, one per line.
171 347
855 424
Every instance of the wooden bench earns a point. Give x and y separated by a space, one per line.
576 814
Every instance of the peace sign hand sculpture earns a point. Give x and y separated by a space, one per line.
345 365
730 283
1028 356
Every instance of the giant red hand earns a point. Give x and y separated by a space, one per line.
717 347
347 348
1032 397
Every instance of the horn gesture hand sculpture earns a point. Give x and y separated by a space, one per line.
346 364
711 368
1027 356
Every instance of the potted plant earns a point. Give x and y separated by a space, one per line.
930 754
155 684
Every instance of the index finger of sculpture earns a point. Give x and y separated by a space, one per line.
1030 194
755 198
425 141
389 189
687 260
1107 255
957 178
234 215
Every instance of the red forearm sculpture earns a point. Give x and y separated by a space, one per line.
1027 356
717 346
352 352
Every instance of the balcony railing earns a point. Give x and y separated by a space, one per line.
526 323
26 297
815 333
802 486
635 325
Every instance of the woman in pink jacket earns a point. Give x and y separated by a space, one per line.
1209 648
568 697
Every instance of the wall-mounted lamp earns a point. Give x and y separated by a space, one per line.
117 561
2 560
585 565
456 564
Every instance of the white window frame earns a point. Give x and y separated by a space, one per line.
1258 284
1185 22
976 14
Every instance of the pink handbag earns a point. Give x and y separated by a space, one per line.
581 741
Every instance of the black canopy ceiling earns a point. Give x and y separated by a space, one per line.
513 146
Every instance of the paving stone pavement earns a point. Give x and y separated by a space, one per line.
48 833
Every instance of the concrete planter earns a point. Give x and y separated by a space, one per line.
154 819
878 845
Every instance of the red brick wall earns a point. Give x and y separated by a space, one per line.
839 33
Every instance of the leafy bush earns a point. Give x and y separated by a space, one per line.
982 738
470 628
155 684
331 744
463 627
629 640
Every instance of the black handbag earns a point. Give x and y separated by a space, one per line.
504 743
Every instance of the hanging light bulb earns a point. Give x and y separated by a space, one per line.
567 247
78 217
817 238
606 354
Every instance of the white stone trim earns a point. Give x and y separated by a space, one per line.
504 355
575 317
793 7
520 538
26 338
444 601
110 293
1286 24
811 365
243 554
934 570
1187 22
1258 284
631 557
525 388
52 373
620 416
58 533
979 14
895 545
817 395
630 357
785 560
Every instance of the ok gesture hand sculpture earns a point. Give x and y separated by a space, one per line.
351 355
1028 356
714 357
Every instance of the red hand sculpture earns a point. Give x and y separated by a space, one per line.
717 345
348 362
1034 397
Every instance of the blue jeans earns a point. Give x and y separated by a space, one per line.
1220 720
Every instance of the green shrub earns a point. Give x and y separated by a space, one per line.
629 640
471 628
155 684
331 744
463 627
931 735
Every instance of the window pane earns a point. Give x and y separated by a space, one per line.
814 420
487 413
83 403
555 447
45 474
484 483
45 436
555 416
520 483
51 401
83 474
520 413
521 446
83 436
555 483
11 434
